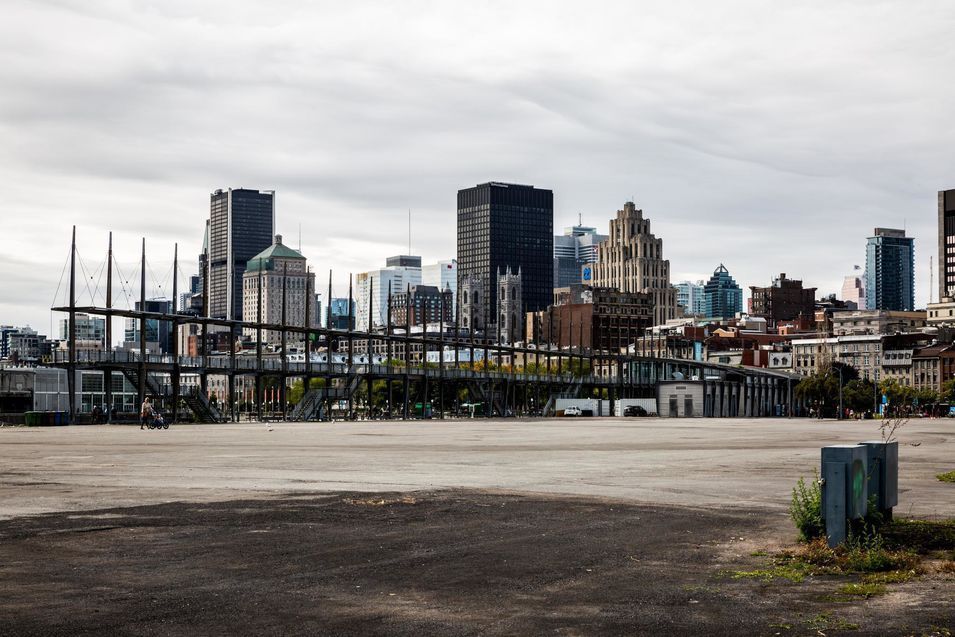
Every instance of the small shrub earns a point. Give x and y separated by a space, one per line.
806 509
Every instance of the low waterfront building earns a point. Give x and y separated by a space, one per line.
876 322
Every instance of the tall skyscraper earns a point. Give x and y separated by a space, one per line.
576 247
241 225
946 243
267 274
631 260
689 296
890 270
507 225
724 298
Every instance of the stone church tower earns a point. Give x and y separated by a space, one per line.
510 306
471 304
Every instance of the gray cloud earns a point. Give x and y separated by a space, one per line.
767 137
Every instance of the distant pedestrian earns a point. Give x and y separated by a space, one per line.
145 413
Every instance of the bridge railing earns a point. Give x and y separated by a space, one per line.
222 363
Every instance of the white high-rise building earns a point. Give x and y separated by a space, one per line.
690 297
442 275
399 272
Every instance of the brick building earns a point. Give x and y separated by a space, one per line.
427 305
784 300
595 318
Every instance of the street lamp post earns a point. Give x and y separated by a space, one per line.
875 396
839 417
843 356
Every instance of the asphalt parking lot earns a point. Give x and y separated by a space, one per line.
571 526
750 463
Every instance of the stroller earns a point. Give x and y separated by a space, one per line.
157 422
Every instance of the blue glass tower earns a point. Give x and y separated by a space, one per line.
890 270
722 297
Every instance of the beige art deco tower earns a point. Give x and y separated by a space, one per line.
631 260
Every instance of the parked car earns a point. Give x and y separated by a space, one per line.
635 410
572 411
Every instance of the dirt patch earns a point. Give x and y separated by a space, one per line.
445 563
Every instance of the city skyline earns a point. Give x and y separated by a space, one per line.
722 160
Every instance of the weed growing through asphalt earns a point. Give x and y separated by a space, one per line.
890 577
806 509
946 477
825 621
864 555
862 589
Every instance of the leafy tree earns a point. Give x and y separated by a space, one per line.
948 391
858 395
899 396
820 389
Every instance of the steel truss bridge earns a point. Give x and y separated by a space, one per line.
506 379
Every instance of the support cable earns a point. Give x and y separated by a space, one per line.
123 283
99 278
60 282
86 274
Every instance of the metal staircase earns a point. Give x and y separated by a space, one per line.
203 410
153 389
312 406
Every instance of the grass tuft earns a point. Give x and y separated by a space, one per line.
890 577
946 477
863 589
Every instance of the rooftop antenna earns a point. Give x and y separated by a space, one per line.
580 219
931 280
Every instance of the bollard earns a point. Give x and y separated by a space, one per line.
844 488
883 472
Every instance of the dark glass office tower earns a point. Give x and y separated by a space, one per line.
946 243
890 270
507 225
241 225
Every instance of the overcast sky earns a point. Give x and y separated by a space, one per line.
772 137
